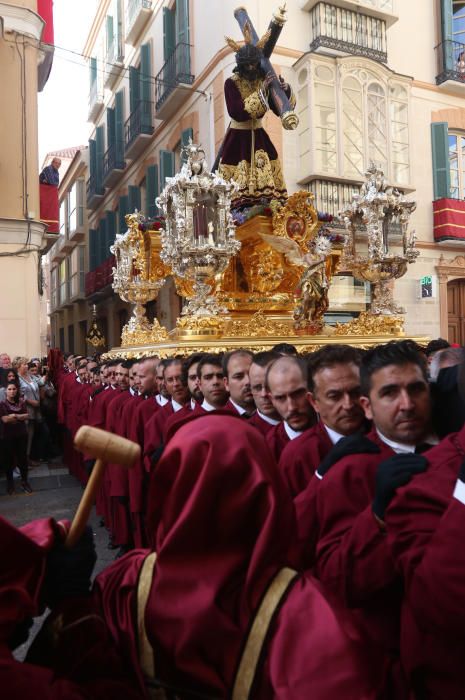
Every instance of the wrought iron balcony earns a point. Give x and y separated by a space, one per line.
137 14
450 57
172 81
113 165
383 9
95 192
339 31
138 129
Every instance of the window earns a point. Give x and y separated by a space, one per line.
458 21
62 282
72 209
347 31
350 117
63 218
457 165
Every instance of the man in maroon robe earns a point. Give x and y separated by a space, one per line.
266 416
236 365
221 521
334 382
287 383
424 527
352 556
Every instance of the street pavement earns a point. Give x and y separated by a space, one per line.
55 494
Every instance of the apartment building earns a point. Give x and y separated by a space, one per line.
375 80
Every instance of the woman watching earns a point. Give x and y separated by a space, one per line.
30 390
13 414
10 375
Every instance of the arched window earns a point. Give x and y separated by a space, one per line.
377 132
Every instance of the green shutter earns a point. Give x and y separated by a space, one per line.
110 37
145 88
93 257
441 172
92 157
103 252
134 198
169 33
151 190
111 131
134 88
111 229
119 127
100 141
93 71
186 135
166 160
182 21
447 35
123 209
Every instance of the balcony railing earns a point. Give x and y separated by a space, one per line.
175 72
114 61
95 99
450 57
140 122
344 31
96 280
95 191
332 197
113 165
137 13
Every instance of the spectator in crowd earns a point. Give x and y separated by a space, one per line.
50 174
30 391
13 413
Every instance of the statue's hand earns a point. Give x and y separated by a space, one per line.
269 77
284 85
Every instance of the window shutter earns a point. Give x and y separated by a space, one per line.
440 147
119 128
134 198
111 132
169 33
93 71
134 88
80 202
111 229
103 252
446 20
145 87
151 181
93 233
92 157
110 36
166 160
99 138
123 210
185 136
182 37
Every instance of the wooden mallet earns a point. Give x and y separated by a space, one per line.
104 447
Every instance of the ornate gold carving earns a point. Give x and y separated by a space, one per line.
266 176
258 326
298 219
144 336
369 324
204 326
290 120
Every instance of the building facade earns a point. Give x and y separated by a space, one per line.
26 63
370 87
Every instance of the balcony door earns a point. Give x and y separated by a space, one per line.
456 311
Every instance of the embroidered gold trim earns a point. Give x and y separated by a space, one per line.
254 105
146 657
257 634
266 174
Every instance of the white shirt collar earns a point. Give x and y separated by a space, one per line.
207 406
267 419
238 408
133 392
398 447
292 434
176 406
161 400
193 403
333 435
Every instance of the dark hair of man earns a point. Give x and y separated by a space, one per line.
435 345
66 355
188 362
127 364
171 361
227 356
397 353
263 359
288 359
285 349
82 363
30 365
329 356
113 363
208 359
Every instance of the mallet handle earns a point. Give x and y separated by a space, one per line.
85 506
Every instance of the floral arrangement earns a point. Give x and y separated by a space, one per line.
154 223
